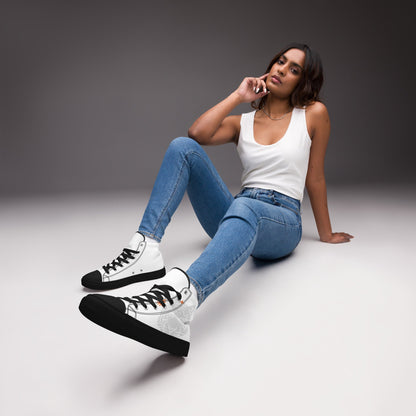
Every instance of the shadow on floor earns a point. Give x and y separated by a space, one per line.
161 365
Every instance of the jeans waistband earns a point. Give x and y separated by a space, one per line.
272 197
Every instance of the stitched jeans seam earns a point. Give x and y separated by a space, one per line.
219 183
225 269
185 161
163 211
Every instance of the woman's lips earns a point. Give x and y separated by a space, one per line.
276 80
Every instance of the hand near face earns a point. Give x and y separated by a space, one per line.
252 88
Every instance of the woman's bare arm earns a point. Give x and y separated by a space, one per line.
318 119
215 126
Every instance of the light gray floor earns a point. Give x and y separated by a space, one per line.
329 331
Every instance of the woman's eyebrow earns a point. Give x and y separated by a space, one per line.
291 62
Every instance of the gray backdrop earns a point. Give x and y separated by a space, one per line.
93 91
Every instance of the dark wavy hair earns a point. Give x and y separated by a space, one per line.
310 83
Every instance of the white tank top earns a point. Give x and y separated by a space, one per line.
281 166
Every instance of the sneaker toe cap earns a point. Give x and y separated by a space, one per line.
92 280
98 302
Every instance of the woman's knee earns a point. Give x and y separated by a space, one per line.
181 144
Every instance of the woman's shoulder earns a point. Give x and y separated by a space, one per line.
316 109
248 114
237 119
234 119
317 116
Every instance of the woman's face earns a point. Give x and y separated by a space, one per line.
286 73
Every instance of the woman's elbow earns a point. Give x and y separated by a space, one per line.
192 133
197 135
315 183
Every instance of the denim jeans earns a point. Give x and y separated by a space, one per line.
258 222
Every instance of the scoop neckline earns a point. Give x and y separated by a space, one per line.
276 142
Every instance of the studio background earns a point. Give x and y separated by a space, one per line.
92 92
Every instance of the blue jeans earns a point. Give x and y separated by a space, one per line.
258 222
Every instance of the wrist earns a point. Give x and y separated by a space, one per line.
236 98
325 236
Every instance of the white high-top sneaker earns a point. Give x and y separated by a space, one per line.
158 318
141 260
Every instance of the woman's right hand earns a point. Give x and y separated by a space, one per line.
252 88
215 126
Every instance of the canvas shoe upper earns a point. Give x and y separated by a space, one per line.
141 260
159 318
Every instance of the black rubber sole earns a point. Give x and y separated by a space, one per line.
103 314
136 278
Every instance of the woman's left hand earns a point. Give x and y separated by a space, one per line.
336 238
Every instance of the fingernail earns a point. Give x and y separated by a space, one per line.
257 90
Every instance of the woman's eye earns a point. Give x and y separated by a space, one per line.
294 71
280 62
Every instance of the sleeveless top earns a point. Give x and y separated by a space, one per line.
281 166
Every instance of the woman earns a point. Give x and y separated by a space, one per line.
281 144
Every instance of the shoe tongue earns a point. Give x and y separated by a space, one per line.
176 278
135 241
